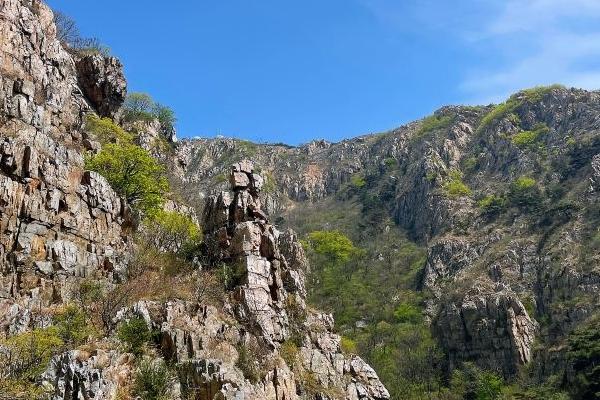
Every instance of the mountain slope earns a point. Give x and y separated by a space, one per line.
504 199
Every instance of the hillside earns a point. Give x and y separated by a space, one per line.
483 217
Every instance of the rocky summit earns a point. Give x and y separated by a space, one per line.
455 257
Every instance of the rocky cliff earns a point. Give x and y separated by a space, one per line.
64 227
505 198
59 222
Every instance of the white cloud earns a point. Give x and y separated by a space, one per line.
545 42
531 42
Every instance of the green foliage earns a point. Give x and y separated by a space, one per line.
455 187
105 130
270 185
134 334
530 139
26 355
525 193
71 325
584 355
141 107
138 107
509 107
249 362
470 382
334 245
166 117
153 380
408 313
492 205
289 352
173 231
348 345
133 174
470 164
434 123
358 181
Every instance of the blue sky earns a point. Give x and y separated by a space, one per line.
291 71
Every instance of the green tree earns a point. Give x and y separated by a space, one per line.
134 334
133 174
173 231
138 106
166 118
334 245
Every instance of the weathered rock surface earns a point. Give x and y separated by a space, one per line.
494 329
102 81
58 221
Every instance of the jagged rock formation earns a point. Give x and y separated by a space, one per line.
264 311
543 260
58 221
103 83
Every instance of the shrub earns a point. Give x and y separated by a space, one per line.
515 101
524 193
138 107
105 130
529 139
434 122
133 174
358 181
455 187
408 313
332 244
173 231
249 363
152 380
166 117
71 325
289 353
134 334
26 355
492 205
584 355
348 345
69 36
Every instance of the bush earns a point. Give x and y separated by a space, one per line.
524 193
105 130
584 356
433 123
26 355
71 325
133 174
348 345
134 334
141 107
289 353
455 187
173 231
334 245
138 107
408 313
69 36
249 362
492 205
153 380
529 139
358 181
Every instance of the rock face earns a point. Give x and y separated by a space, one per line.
103 83
58 221
269 268
541 255
494 329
